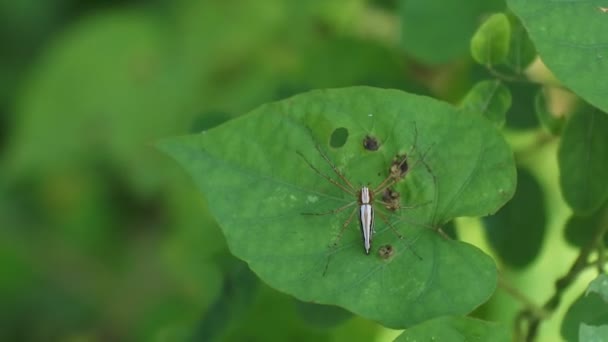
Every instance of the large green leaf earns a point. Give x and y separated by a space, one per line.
439 31
456 329
570 37
583 158
525 215
258 187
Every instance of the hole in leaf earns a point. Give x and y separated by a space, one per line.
338 137
371 143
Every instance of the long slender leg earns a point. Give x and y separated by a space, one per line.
391 179
389 224
344 225
387 182
413 146
405 207
402 219
333 167
334 211
350 190
396 232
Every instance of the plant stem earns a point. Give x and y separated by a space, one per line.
561 285
518 295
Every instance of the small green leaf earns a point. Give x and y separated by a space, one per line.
516 232
521 49
490 44
425 40
583 160
571 39
491 99
258 186
550 121
456 329
587 318
581 229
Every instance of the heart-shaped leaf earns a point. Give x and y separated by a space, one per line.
256 176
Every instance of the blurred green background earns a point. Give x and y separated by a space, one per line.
104 238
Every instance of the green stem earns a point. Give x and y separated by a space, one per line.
518 295
561 285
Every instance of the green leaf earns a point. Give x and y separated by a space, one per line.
517 231
257 187
491 99
583 160
456 329
581 229
521 49
110 84
238 292
550 121
587 318
570 37
321 316
490 44
430 42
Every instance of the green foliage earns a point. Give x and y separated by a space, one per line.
289 250
521 50
580 230
103 237
517 231
322 316
455 329
587 318
569 37
490 99
583 158
490 44
423 23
